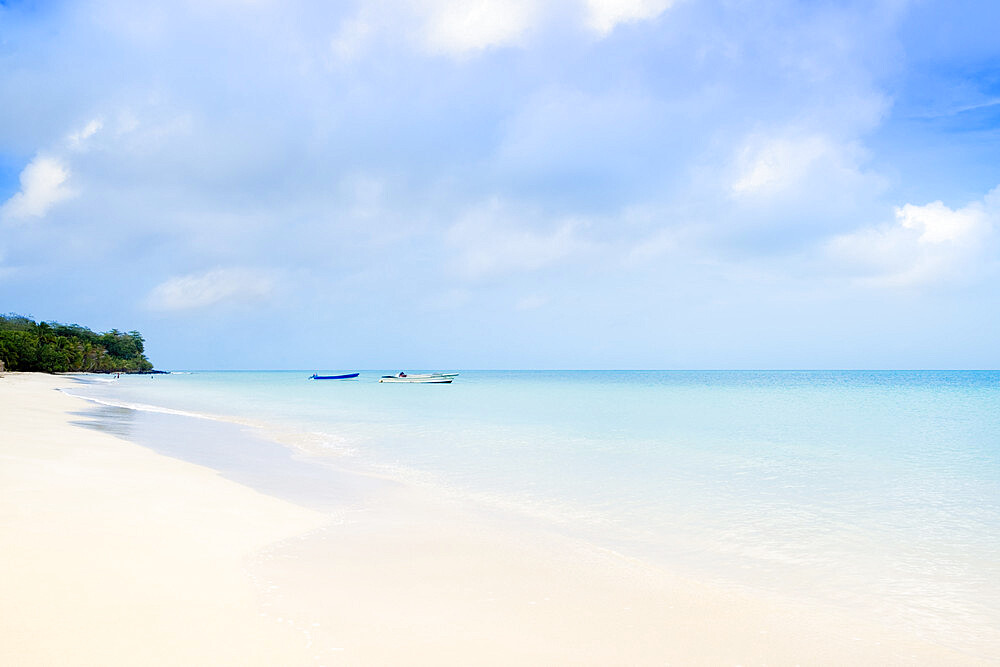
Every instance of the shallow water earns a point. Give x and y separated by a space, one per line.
873 491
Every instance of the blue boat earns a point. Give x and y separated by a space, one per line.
345 376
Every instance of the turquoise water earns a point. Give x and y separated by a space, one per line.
873 491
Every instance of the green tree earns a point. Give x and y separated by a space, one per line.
53 347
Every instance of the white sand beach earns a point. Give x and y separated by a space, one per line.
112 554
115 555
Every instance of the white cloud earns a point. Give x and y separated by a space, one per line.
76 140
43 184
802 184
458 27
604 15
926 244
219 286
771 165
493 240
937 223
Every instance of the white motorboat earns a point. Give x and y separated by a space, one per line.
424 378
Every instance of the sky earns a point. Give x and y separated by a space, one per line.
434 184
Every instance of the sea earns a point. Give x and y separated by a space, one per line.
870 491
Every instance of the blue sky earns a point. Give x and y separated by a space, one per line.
507 184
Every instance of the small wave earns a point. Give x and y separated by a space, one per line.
314 443
143 407
90 378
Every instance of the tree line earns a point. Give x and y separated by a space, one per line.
50 347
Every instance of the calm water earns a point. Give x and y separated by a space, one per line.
867 490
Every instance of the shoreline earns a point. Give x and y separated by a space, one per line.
384 574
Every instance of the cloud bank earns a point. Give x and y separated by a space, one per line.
925 245
675 166
211 288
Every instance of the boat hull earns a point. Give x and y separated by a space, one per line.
407 380
345 376
421 378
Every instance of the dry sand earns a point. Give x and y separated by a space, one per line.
111 554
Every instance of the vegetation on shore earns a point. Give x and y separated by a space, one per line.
50 347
